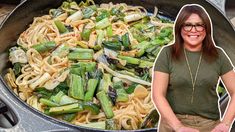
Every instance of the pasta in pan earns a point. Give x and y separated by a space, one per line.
90 64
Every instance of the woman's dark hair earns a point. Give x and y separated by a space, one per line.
209 50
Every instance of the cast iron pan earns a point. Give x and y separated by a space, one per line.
27 118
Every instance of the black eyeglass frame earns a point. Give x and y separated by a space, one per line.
195 26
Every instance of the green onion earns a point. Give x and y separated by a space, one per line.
109 31
48 102
86 34
60 26
80 56
130 60
71 108
46 46
103 23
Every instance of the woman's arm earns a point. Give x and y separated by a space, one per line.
229 82
159 89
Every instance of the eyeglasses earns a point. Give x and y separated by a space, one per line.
188 27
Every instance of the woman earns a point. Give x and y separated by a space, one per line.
186 75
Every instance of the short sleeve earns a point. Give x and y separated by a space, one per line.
225 64
162 61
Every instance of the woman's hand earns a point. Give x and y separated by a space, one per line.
222 127
186 129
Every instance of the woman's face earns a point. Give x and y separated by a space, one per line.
193 31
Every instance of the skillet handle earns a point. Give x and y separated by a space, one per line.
27 119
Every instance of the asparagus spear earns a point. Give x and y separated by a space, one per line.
48 102
92 83
105 104
76 89
71 108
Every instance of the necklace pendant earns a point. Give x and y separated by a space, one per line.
192 99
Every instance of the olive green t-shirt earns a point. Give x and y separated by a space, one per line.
179 91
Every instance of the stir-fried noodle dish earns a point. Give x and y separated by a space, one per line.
90 65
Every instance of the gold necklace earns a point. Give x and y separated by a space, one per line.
190 72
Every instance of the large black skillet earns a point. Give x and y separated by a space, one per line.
29 119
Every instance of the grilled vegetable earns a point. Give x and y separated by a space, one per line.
43 47
105 104
76 89
71 108
80 55
94 108
150 120
111 124
86 34
61 51
48 102
102 23
69 117
122 96
91 87
60 26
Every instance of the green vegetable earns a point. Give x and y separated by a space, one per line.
76 89
160 41
114 45
122 96
118 85
125 40
48 102
150 120
103 23
80 56
100 36
57 97
71 108
88 11
104 14
133 17
67 100
130 60
56 12
69 117
17 68
111 124
77 15
60 26
221 90
86 34
105 104
94 108
109 31
97 125
142 47
61 87
145 64
165 32
114 11
42 92
105 82
81 67
91 87
61 51
46 46
131 88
